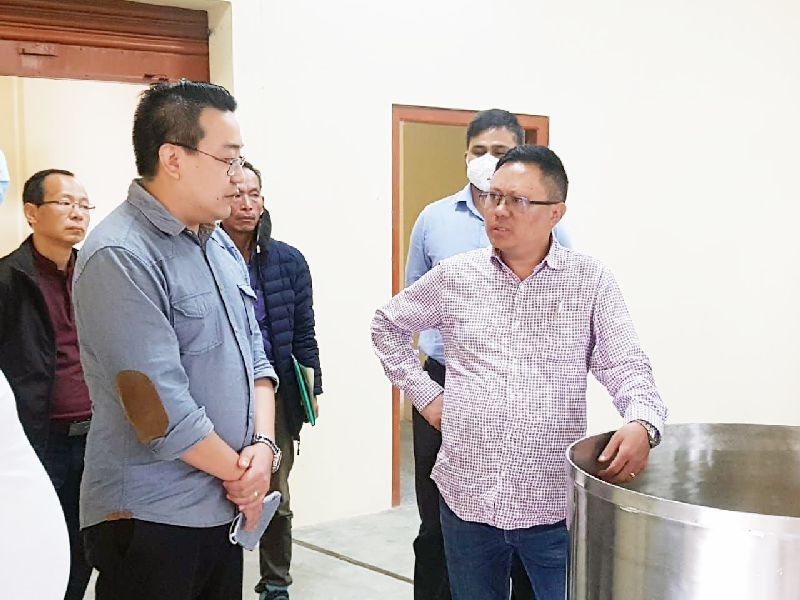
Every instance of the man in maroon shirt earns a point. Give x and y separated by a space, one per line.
39 344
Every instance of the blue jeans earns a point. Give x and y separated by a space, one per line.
479 558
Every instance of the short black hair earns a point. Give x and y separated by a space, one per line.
33 190
548 162
248 165
495 118
170 112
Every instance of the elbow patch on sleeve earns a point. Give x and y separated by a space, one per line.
142 405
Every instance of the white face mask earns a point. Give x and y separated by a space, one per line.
480 171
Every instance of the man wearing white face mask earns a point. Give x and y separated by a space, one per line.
443 229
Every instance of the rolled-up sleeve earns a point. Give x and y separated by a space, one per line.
262 367
121 310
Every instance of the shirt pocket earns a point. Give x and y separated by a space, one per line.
566 332
249 298
196 323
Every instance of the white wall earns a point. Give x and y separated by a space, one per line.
677 122
82 126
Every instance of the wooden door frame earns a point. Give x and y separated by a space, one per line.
537 131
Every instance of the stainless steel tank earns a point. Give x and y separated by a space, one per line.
716 516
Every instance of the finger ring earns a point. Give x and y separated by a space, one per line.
255 494
633 475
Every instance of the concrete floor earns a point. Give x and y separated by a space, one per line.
362 558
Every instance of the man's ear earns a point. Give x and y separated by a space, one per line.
169 160
559 210
31 212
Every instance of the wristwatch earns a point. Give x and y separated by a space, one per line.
653 435
260 438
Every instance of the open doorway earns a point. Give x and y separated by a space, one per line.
432 167
428 147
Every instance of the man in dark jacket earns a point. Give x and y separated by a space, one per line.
39 343
284 309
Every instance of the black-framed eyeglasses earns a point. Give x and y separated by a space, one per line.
231 162
69 205
514 203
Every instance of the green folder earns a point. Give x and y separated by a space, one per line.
305 382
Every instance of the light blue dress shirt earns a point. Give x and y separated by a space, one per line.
443 229
177 307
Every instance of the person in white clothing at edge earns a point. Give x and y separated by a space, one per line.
34 547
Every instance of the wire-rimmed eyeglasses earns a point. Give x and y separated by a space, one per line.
232 163
69 205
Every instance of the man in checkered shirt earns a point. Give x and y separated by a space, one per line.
523 322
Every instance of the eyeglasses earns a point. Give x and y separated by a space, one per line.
232 163
68 205
517 204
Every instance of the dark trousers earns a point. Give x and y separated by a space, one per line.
275 548
63 462
430 568
138 559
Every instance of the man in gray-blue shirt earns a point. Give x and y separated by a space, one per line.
182 392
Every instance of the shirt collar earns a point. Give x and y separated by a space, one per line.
46 266
153 210
463 200
555 258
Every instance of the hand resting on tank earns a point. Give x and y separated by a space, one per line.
626 454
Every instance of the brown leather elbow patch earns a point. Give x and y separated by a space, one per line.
119 516
142 405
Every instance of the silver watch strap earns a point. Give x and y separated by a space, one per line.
260 438
653 435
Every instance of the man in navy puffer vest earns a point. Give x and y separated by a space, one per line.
284 309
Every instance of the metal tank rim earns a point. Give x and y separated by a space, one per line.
698 515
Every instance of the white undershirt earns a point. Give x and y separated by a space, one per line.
34 547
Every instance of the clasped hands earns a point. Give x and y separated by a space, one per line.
248 492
